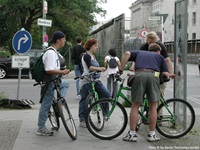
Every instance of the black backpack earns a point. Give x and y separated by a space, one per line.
112 63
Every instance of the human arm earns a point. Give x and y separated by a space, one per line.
118 63
56 72
132 68
124 60
87 59
169 64
105 62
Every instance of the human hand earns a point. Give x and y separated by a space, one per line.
172 75
102 69
132 68
66 71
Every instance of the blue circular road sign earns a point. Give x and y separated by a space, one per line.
22 41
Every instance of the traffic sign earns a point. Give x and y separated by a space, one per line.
44 22
143 33
46 38
20 61
22 41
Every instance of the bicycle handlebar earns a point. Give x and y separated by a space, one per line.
90 74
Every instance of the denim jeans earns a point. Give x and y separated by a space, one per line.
77 74
85 90
112 85
47 102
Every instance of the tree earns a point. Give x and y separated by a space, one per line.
73 17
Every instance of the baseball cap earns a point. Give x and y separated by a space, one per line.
57 35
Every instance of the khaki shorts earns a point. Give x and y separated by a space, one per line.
145 83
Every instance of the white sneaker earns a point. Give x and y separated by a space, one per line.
152 138
130 138
82 124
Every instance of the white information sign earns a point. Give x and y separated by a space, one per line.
20 61
44 22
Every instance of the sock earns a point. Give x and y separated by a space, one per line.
132 132
152 132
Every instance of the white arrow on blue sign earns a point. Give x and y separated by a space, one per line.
22 41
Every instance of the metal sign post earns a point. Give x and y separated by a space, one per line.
180 49
21 42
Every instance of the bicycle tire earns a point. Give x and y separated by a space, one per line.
67 118
54 117
113 126
185 118
90 99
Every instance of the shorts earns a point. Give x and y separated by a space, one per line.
145 83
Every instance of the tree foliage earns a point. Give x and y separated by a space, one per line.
73 17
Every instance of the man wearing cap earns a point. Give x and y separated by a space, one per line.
52 64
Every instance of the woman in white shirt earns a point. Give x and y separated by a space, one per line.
111 71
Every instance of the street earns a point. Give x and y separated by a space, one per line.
9 87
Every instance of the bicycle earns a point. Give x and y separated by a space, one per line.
60 109
93 95
177 120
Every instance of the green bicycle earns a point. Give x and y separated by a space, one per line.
177 119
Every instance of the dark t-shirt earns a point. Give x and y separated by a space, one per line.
149 60
76 53
163 51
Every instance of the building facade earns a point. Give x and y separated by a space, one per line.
143 10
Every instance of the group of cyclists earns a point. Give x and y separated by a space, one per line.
148 64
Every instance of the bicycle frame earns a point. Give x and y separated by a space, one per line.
144 106
93 89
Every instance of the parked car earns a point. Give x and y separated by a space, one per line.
6 66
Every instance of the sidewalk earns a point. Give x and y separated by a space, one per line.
22 125
18 132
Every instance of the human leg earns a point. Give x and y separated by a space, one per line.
44 109
109 83
86 88
131 136
64 87
77 74
115 87
103 93
162 92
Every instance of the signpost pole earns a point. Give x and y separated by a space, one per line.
44 27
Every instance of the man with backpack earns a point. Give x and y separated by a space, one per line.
76 56
52 61
112 63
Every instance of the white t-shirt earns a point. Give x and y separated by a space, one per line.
51 60
111 70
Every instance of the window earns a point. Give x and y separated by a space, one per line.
193 36
194 18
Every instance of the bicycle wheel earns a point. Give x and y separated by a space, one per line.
114 119
90 100
178 120
67 118
54 117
